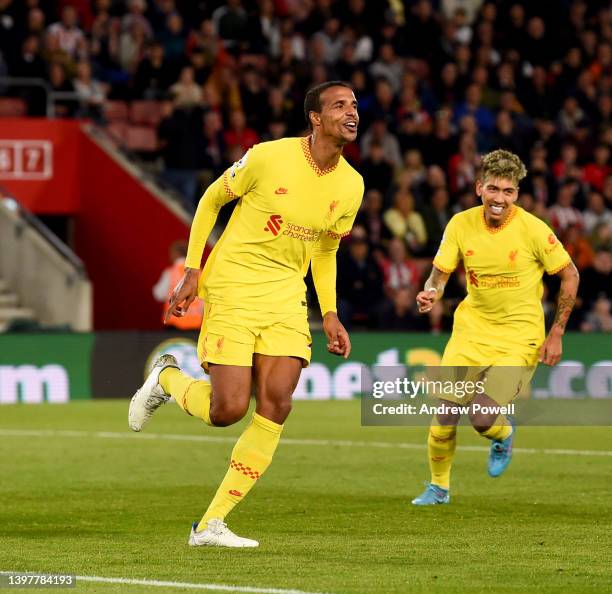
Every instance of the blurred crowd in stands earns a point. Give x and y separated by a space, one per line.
439 82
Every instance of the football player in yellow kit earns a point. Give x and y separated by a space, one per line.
498 328
296 198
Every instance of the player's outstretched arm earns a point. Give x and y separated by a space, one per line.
210 204
552 348
433 290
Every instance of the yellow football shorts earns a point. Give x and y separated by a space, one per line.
231 335
506 373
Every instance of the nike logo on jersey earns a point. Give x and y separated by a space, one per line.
281 191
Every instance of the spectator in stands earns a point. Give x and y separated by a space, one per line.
359 282
65 107
570 116
214 152
136 14
505 136
186 92
254 99
104 47
399 272
370 218
442 143
91 93
230 22
173 38
601 237
413 162
473 106
436 217
398 313
405 223
330 41
162 290
568 160
379 133
183 150
204 40
238 134
463 165
30 64
154 75
599 318
468 199
66 33
596 171
563 213
596 212
578 247
595 280
376 170
388 66
132 45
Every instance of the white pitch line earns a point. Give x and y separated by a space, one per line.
286 441
168 584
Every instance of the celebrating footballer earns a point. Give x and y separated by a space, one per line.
498 331
296 198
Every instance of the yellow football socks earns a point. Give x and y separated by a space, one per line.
441 447
251 456
192 395
501 429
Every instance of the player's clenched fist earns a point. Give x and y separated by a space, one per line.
425 300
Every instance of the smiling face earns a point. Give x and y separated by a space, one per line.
498 195
338 117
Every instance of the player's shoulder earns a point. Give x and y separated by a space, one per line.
531 221
351 177
350 171
532 228
466 218
275 147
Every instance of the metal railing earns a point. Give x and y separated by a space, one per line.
51 96
48 277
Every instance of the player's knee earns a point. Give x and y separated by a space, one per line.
448 420
224 412
276 409
481 422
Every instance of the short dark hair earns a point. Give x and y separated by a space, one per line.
312 101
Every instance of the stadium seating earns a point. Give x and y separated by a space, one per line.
12 107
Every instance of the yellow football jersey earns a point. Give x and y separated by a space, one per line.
286 205
504 268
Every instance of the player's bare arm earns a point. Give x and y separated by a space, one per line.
433 290
184 293
552 348
338 341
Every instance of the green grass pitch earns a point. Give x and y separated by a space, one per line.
82 495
